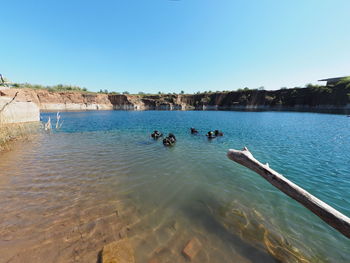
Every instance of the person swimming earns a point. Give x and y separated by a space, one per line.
170 140
210 135
194 131
218 133
156 134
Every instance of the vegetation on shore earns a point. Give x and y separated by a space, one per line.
55 88
15 131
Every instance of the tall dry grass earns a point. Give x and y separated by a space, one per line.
16 131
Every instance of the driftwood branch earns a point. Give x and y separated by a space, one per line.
8 103
327 213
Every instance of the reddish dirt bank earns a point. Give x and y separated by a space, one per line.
301 99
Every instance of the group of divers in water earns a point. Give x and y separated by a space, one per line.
170 140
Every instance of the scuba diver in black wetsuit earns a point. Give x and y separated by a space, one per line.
210 135
218 133
156 134
170 140
194 131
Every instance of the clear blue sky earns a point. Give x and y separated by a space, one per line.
169 46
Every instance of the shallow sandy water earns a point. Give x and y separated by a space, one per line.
52 211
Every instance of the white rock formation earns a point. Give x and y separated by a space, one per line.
12 111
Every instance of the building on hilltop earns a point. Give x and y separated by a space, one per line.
332 81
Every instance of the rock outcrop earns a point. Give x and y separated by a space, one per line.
192 248
313 98
319 99
118 252
16 108
19 116
59 101
148 102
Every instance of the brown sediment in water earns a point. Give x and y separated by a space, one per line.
252 227
54 211
79 236
46 221
75 233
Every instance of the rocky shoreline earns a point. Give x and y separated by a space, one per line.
23 105
245 100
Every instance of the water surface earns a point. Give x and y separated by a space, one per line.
101 178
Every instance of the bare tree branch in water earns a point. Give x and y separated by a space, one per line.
324 211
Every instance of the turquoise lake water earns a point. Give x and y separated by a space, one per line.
169 195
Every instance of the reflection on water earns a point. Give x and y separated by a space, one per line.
65 195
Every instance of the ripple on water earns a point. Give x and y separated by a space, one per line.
69 193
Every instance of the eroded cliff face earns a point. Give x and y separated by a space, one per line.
303 99
15 107
319 99
47 100
58 101
85 101
72 101
148 102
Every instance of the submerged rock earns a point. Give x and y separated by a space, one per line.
192 248
118 252
123 233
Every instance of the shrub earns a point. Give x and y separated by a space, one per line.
345 81
59 87
319 89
